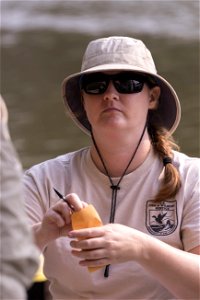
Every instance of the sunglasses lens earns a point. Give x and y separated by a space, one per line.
94 84
128 86
125 83
98 87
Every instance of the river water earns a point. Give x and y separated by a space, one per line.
43 41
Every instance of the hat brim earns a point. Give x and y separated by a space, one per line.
169 109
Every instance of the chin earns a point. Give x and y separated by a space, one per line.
113 126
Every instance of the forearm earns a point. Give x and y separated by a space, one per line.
175 269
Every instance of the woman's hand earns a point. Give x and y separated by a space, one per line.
112 243
57 220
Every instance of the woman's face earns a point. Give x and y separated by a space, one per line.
112 110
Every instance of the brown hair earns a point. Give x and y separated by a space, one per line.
163 143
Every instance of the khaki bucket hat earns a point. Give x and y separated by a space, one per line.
117 53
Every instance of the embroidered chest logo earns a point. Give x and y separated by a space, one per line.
161 218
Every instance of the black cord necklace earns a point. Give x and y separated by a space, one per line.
115 187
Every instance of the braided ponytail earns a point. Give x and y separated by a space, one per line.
163 144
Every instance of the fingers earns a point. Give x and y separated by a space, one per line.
75 201
90 252
92 247
56 218
87 233
96 258
90 255
107 244
61 211
87 244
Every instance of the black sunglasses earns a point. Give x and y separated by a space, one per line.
124 82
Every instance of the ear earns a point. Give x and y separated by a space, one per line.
154 97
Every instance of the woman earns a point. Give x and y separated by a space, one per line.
145 192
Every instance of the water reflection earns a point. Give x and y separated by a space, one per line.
167 18
35 61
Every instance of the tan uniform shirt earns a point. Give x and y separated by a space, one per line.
174 222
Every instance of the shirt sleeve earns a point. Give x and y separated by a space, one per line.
36 193
190 229
39 182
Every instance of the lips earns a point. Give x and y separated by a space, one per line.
109 109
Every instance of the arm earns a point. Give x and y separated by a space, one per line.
175 269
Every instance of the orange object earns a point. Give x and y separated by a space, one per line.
85 218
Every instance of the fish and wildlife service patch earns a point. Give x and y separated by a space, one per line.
161 218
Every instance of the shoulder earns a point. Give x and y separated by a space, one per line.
189 170
56 165
187 166
57 172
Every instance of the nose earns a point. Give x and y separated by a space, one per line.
111 93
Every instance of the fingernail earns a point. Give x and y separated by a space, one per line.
70 234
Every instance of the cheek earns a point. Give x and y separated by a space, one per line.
137 107
87 105
138 104
90 107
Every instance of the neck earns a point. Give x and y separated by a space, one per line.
117 153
